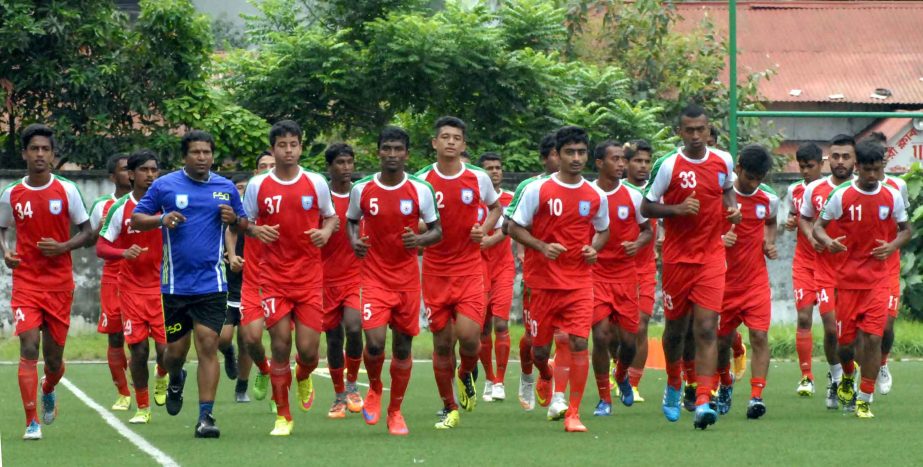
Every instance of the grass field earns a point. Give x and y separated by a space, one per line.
794 430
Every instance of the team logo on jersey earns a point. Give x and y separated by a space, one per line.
307 202
623 212
480 214
760 211
54 206
883 212
722 177
584 208
182 201
467 195
406 207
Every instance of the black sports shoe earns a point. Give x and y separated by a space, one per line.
175 396
230 362
206 428
689 398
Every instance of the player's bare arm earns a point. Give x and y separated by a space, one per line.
84 237
730 204
479 231
791 222
10 258
644 237
806 225
235 262
689 207
524 237
769 239
886 249
833 245
360 244
320 236
432 236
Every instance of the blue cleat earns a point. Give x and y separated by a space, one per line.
704 415
49 407
33 431
626 394
724 399
603 409
671 403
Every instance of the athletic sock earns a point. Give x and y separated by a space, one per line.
525 354
580 367
52 378
544 369
867 385
263 366
303 371
675 375
161 371
485 354
442 370
756 387
141 397
280 375
724 375
621 372
703 389
562 362
602 386
468 364
737 345
849 367
884 358
241 386
336 375
634 376
352 368
373 364
836 372
400 377
689 375
804 344
118 362
28 387
502 349
206 407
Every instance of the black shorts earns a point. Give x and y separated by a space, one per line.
233 316
180 312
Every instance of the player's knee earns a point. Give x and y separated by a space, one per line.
53 363
374 347
578 344
501 325
28 349
759 339
540 353
116 340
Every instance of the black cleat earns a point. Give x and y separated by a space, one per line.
689 398
206 428
175 397
756 408
230 362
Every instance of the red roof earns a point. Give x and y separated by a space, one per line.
824 48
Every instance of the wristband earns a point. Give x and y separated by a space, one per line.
161 219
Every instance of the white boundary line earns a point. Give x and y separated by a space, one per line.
159 456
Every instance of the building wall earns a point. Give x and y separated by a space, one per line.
821 129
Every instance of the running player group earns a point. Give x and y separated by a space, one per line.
341 258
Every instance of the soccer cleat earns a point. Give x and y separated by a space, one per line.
449 420
543 391
626 394
689 397
558 407
467 391
338 409
603 409
572 424
832 387
756 408
230 362
636 394
884 380
671 403
704 415
49 406
396 424
805 387
306 393
33 431
499 392
371 409
122 404
160 390
612 382
488 392
282 427
724 399
527 392
864 410
846 393
142 417
241 397
739 365
206 428
260 386
175 399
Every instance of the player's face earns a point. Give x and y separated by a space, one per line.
393 155
449 141
120 176
810 170
199 158
870 174
639 167
573 158
613 164
287 150
694 132
494 170
265 163
145 174
241 187
38 154
747 182
342 167
552 163
842 161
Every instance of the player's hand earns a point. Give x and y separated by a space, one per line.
11 259
734 216
361 247
228 216
410 238
266 233
883 250
491 241
791 223
818 246
51 247
729 238
769 249
236 263
553 250
631 248
133 252
319 237
477 233
689 206
589 254
836 245
171 220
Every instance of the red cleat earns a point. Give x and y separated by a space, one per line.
371 410
572 424
396 424
544 388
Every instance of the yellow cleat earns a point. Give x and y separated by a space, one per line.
450 421
864 410
306 393
637 394
739 365
122 404
142 417
283 427
160 390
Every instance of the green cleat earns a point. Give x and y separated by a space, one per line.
260 386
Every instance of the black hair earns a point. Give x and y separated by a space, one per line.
139 157
466 155
338 149
843 140
878 137
570 134
599 152
37 129
240 178
454 122
690 111
393 133
715 132
809 152
869 152
755 159
489 156
284 128
546 145
632 148
113 162
194 136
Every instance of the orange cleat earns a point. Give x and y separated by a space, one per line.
396 424
544 389
572 424
371 410
354 402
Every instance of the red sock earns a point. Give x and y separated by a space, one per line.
562 362
263 367
117 365
502 348
468 363
161 371
28 386
703 389
724 374
621 372
867 385
675 375
544 369
580 367
141 396
352 368
689 372
884 358
756 387
849 367
51 379
804 344
525 353
602 385
737 345
280 374
303 371
634 376
442 369
373 364
485 354
336 375
400 377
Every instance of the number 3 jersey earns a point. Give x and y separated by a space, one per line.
693 239
37 212
143 273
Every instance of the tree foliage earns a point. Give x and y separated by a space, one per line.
912 254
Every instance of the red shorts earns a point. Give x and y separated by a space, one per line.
305 305
865 309
804 286
251 304
398 308
686 284
500 294
826 299
336 299
894 304
646 292
568 311
750 306
447 297
618 302
34 308
142 314
110 310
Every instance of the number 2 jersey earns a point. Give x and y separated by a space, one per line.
143 273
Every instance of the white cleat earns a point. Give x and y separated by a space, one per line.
884 380
558 406
499 392
527 392
805 387
33 431
488 392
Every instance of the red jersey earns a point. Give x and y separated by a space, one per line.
827 265
613 265
458 198
341 266
253 254
142 273
296 206
894 261
385 211
746 265
98 213
864 217
568 214
500 256
645 259
37 212
804 252
693 239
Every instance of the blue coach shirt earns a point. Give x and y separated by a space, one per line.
193 252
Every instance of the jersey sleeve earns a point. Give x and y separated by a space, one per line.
354 211
96 213
790 196
427 200
636 201
833 209
488 194
76 210
601 219
660 180
250 201
112 227
528 205
236 203
900 207
324 199
150 202
807 206
729 162
516 196
774 203
6 209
